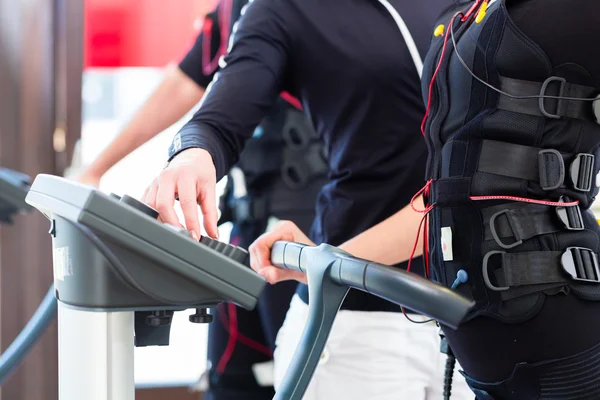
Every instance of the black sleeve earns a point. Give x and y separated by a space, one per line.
244 90
201 62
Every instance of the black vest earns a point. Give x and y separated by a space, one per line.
494 159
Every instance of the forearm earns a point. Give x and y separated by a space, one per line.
391 241
173 98
243 91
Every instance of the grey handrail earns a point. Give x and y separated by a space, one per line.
331 273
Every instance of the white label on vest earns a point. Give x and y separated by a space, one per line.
447 243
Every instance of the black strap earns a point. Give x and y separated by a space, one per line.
540 268
530 268
544 166
551 108
521 221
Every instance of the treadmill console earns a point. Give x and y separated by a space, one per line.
111 253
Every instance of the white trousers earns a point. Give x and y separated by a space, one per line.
371 356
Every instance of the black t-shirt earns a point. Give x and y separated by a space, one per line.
348 63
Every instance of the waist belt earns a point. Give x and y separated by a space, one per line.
548 167
550 107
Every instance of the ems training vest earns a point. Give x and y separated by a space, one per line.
284 165
506 170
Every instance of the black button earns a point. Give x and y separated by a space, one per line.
138 205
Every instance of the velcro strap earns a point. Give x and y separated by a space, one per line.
518 221
449 192
521 221
514 270
549 107
544 166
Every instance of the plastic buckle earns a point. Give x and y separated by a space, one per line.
561 93
485 272
570 216
581 264
582 172
512 228
548 157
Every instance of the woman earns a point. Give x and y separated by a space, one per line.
353 67
512 95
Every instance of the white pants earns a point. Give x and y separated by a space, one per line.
371 356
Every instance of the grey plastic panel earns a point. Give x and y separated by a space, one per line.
128 228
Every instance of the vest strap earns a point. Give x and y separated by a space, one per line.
545 107
544 166
524 221
540 268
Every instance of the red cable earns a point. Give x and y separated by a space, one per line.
231 342
291 99
442 55
437 70
471 11
526 200
422 190
253 344
426 244
412 255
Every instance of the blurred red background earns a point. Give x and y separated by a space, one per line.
140 33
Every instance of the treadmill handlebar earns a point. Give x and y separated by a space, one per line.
393 284
286 255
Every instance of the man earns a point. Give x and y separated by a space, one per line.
241 343
352 63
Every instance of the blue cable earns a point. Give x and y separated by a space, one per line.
33 331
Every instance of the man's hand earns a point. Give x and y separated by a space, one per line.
191 177
260 252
